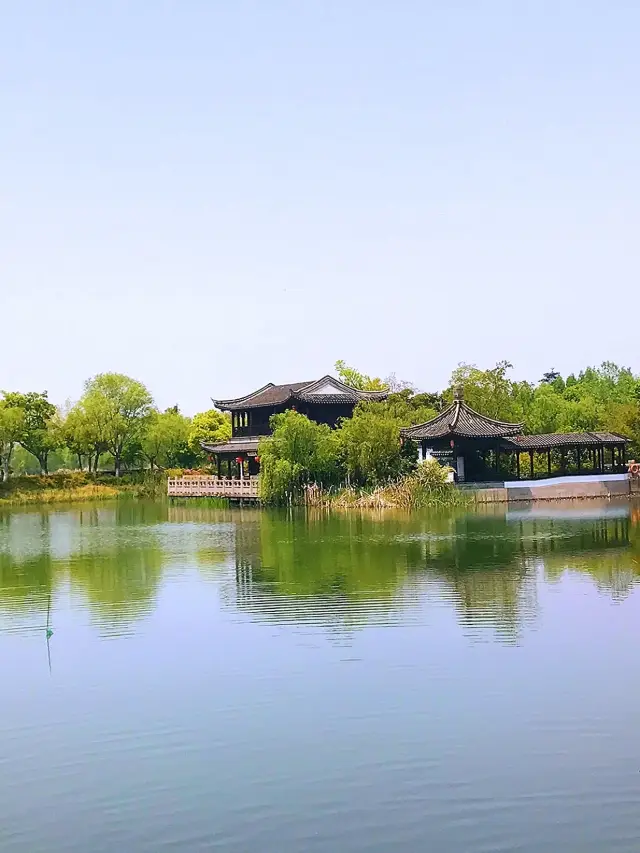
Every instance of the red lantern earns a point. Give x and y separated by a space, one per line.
452 443
257 458
239 460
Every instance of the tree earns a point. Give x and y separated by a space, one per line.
404 406
85 436
489 392
116 407
11 429
76 435
298 452
370 446
40 426
166 437
210 427
358 380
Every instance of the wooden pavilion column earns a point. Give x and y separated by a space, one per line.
517 464
218 464
579 461
531 463
549 461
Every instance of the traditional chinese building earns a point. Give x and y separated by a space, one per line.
481 449
325 401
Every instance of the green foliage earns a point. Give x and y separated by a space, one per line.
165 441
491 392
210 427
370 445
11 429
405 407
116 409
352 377
605 398
298 452
39 432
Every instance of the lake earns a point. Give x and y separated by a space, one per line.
189 679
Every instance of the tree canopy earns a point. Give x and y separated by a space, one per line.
210 427
117 408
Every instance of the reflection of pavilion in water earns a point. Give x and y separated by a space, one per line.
353 570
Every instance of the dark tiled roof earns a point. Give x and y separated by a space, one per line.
275 395
268 395
461 420
234 445
567 439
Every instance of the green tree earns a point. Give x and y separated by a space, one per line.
210 427
85 436
370 446
165 441
491 392
352 377
11 429
298 452
117 408
40 425
547 410
406 407
76 436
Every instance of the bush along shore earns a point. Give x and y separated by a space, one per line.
76 486
409 493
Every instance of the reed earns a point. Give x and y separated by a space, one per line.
409 493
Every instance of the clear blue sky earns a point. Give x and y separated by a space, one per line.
212 195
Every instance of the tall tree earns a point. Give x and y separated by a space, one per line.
117 408
11 428
370 445
40 428
210 427
165 439
299 451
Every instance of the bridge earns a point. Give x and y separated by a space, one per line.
203 486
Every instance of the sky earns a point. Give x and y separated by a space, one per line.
209 196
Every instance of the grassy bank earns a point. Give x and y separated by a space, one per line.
73 486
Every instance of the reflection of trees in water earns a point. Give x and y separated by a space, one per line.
357 567
102 552
112 556
339 570
310 569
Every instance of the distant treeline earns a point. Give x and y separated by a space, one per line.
116 424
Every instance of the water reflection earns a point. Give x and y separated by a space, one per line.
352 568
340 570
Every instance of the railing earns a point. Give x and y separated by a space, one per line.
202 486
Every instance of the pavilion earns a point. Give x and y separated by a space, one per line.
325 401
481 449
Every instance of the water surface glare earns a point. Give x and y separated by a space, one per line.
188 679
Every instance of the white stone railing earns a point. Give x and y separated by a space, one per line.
201 486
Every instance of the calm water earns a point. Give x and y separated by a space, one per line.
242 682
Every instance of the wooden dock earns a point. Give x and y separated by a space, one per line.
202 486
